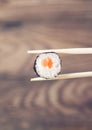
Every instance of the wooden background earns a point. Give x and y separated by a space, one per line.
44 24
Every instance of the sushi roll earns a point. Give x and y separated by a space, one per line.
47 65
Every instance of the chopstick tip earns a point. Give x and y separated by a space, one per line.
28 52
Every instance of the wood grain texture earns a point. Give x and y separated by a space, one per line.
52 105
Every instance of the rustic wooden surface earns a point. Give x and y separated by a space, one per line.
44 24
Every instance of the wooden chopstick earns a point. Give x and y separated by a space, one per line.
65 51
66 76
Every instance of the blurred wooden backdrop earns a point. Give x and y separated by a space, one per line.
44 24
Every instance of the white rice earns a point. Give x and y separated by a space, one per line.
47 72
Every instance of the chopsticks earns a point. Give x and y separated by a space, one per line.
65 51
66 76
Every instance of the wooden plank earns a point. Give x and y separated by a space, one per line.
52 105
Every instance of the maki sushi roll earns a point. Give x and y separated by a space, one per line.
47 65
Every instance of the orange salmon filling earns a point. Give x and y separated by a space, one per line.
47 62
